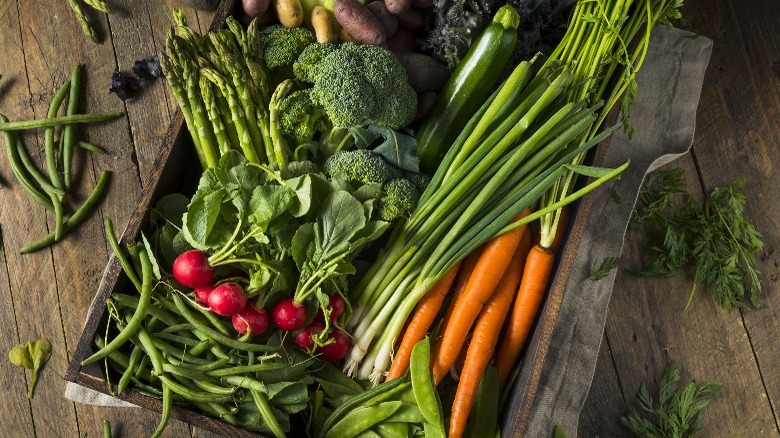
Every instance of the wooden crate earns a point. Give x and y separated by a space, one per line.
176 169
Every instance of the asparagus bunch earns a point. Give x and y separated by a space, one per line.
82 18
221 85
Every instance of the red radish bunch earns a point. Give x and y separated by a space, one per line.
288 315
202 293
337 349
252 318
303 339
337 308
227 299
191 268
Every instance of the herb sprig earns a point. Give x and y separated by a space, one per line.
716 238
676 412
606 266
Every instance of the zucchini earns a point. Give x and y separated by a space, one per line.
472 82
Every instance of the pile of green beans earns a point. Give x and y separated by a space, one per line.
404 407
179 355
49 190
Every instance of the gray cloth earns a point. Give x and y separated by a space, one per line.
664 116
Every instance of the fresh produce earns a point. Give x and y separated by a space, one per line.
360 22
255 8
497 255
714 237
322 23
227 299
288 315
191 268
250 319
424 72
467 89
32 355
49 190
83 19
484 338
675 413
388 20
289 12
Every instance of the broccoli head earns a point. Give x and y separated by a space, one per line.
420 180
399 200
361 165
360 84
301 118
281 46
311 56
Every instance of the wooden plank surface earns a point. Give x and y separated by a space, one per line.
48 293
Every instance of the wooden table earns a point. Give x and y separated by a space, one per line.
47 293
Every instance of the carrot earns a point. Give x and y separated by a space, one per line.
493 261
466 268
485 337
538 267
417 328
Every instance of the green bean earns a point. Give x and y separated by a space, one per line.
215 335
245 382
34 172
358 400
48 136
75 219
177 328
163 315
261 401
145 362
207 367
423 386
135 358
213 388
192 394
194 376
183 340
150 347
141 387
202 347
57 121
167 402
361 419
243 369
119 254
219 411
18 169
134 324
181 356
216 323
91 147
68 139
106 429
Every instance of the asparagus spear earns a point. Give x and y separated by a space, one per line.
83 20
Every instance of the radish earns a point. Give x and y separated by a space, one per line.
336 350
227 299
202 293
303 339
191 268
337 308
288 315
252 318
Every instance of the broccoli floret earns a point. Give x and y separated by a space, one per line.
301 118
311 56
399 200
281 46
420 180
359 84
361 165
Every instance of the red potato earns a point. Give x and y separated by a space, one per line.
388 20
425 102
403 41
359 22
424 72
255 8
398 6
412 18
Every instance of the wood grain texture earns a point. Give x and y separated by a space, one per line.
604 396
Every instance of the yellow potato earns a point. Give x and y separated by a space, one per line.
289 12
322 23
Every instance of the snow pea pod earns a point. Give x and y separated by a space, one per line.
361 419
485 415
422 384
